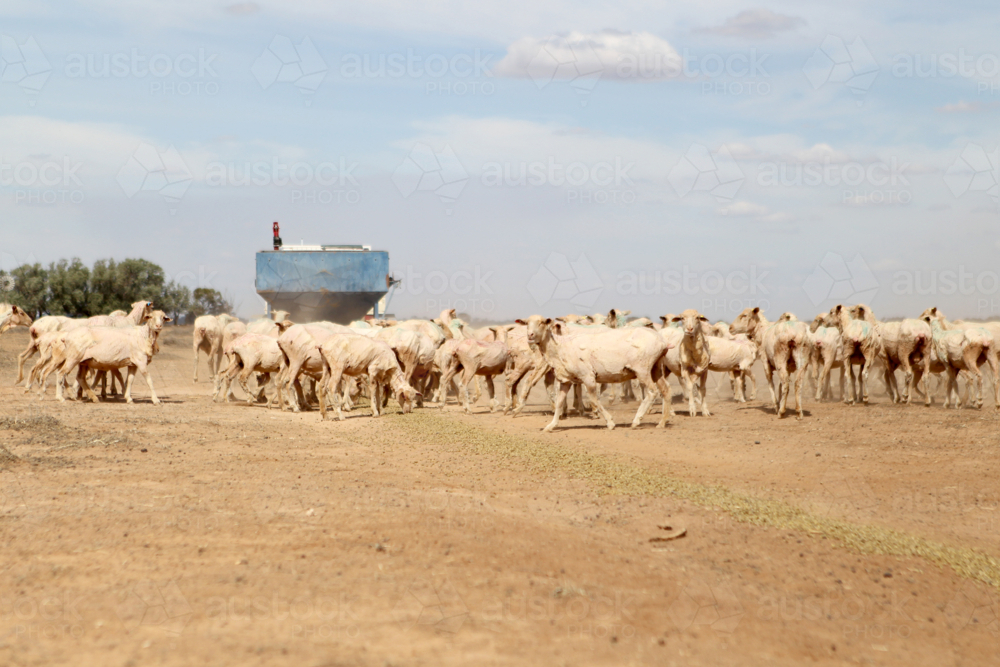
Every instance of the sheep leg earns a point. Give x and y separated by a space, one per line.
223 379
769 376
978 376
328 389
344 391
81 378
994 364
801 362
907 368
865 368
325 390
512 378
973 377
703 387
468 376
375 389
952 388
560 402
689 390
595 400
43 375
492 391
736 384
824 376
116 376
59 382
447 376
661 384
889 379
295 388
666 393
23 357
922 376
647 401
215 357
581 406
782 389
849 367
229 385
140 366
149 382
244 377
197 349
36 372
262 380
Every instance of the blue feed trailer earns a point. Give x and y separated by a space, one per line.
336 283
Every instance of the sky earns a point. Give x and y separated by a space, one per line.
518 157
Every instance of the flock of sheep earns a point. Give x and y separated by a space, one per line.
415 358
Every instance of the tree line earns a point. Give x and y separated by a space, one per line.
70 288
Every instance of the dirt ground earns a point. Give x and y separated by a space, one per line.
199 533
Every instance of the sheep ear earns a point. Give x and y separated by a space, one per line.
167 319
663 318
520 322
548 320
677 319
756 310
703 318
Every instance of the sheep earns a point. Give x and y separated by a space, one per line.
785 347
609 356
353 355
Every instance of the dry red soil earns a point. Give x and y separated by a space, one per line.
201 533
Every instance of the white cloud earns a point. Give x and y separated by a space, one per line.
99 148
756 24
479 141
624 56
96 152
964 107
820 153
242 8
742 208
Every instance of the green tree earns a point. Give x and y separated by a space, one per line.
6 286
102 299
175 300
69 288
137 280
30 289
207 301
117 285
